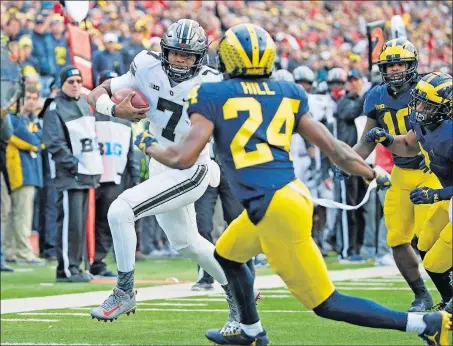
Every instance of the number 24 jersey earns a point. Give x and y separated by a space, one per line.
253 124
392 114
168 121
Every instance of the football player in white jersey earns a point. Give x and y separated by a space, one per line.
165 79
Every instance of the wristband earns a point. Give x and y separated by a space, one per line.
388 141
104 105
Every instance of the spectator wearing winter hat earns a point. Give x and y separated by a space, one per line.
26 59
69 134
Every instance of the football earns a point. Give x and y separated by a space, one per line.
138 101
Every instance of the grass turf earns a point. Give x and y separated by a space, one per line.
290 324
285 319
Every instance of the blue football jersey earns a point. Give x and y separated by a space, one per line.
253 124
392 114
437 147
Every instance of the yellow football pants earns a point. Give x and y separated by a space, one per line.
284 236
403 218
439 256
436 220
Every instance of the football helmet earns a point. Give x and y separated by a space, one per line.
336 79
432 99
398 50
186 36
304 74
246 50
282 75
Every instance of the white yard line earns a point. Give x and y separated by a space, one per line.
26 320
74 300
173 304
156 309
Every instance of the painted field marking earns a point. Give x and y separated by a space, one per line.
27 320
155 309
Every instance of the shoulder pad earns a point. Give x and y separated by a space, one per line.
209 74
155 55
144 59
52 106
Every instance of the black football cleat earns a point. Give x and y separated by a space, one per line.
422 304
236 337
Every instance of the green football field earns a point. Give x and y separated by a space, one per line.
183 321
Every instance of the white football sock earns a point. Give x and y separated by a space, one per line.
252 329
122 225
415 323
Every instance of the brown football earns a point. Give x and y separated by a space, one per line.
138 101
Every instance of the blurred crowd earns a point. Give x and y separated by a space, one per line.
327 37
319 34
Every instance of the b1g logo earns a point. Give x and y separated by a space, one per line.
87 145
110 148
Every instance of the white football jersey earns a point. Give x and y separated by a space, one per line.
321 107
168 120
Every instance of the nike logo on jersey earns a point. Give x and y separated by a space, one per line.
184 100
109 312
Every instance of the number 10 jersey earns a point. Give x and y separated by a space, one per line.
167 116
392 114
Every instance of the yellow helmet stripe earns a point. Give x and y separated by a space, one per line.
430 91
254 43
233 40
270 47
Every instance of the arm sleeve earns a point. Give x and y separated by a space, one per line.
201 102
446 193
55 140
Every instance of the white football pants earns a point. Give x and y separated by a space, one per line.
170 195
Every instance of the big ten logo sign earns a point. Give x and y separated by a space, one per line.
87 145
110 148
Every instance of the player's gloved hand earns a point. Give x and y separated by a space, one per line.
379 135
144 140
339 175
424 167
424 195
382 179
